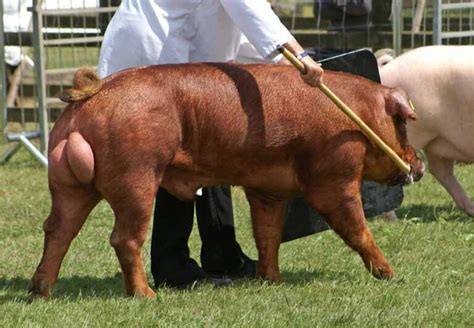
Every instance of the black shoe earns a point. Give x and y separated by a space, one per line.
174 270
183 273
217 265
248 269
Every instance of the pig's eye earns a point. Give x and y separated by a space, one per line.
401 124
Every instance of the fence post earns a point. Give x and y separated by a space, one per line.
397 26
437 22
3 79
40 74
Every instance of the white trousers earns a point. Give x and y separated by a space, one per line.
180 31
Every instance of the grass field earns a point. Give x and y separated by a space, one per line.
431 248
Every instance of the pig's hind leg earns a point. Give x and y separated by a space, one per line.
129 184
132 203
341 205
70 208
130 194
72 202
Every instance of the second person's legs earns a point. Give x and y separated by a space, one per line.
221 255
172 225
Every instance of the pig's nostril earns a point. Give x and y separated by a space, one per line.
419 171
418 176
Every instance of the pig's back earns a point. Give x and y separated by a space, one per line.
440 82
428 64
436 76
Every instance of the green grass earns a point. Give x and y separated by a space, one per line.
430 247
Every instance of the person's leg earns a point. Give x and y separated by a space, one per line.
172 224
221 255
170 261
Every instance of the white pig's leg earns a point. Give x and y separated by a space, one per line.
442 170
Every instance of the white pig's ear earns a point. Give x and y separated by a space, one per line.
399 104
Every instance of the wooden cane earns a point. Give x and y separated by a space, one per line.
353 116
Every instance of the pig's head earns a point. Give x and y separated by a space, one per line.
391 127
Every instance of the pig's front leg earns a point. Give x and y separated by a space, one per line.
267 221
442 170
341 205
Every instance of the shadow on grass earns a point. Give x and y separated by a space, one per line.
305 276
302 277
432 213
16 289
74 288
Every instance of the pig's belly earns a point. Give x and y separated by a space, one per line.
451 149
278 180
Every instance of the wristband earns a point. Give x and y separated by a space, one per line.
302 55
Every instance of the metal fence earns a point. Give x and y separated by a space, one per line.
419 23
454 23
45 41
397 24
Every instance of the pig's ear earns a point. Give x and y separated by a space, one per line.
397 103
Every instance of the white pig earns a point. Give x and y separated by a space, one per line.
440 82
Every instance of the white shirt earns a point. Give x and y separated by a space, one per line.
179 31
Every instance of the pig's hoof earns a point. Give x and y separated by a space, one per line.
274 278
386 273
147 293
34 297
38 289
469 210
150 293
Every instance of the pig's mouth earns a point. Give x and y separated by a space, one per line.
416 173
402 179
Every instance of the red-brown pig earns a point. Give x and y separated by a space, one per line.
440 82
183 127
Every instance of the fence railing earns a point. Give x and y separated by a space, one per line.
62 36
3 80
458 14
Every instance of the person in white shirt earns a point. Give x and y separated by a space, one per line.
149 32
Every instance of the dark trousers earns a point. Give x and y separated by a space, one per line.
172 225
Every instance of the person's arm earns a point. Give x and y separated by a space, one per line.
314 72
264 30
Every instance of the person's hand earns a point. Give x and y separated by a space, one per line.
314 72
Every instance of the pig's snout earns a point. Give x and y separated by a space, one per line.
415 174
417 171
